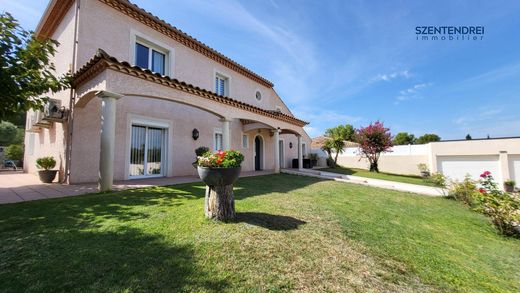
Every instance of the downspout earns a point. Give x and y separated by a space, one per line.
72 99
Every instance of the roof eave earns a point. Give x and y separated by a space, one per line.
102 61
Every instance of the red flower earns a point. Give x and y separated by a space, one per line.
485 174
482 190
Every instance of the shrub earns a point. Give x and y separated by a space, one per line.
313 156
14 152
201 151
221 159
501 207
45 163
438 179
465 191
510 182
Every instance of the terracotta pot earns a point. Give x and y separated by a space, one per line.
218 176
47 176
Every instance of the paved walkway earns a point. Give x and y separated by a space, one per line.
18 187
420 189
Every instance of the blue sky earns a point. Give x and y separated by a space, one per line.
337 62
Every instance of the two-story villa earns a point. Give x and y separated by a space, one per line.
145 95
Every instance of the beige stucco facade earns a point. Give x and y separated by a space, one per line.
156 100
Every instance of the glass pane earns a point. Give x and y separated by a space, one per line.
155 143
222 87
141 55
137 146
218 141
216 85
244 141
158 62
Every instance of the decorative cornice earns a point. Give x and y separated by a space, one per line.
102 61
52 17
167 29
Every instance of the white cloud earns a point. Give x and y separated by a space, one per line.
412 93
393 75
313 131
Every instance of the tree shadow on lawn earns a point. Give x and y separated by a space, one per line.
98 242
268 221
123 259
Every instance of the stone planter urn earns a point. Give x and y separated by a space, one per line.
47 176
219 201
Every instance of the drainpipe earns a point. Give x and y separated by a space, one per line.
72 99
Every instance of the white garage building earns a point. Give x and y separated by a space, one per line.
455 159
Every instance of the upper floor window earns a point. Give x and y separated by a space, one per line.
221 85
258 96
150 57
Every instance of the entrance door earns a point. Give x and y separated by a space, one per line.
146 151
281 153
258 153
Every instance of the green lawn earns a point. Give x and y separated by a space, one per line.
383 176
292 233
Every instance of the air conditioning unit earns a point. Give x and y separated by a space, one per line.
36 121
54 111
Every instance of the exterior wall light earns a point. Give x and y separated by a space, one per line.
290 145
195 134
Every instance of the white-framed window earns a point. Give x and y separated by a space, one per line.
221 84
151 54
151 57
245 141
217 139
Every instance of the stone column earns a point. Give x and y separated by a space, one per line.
108 136
226 133
276 138
300 152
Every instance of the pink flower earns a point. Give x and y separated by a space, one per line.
485 174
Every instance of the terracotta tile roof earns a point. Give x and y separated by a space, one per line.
102 61
319 141
171 31
58 8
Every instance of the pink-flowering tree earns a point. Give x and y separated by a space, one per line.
373 140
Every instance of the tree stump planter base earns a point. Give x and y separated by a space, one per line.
219 203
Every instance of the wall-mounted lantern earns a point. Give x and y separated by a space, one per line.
290 145
195 134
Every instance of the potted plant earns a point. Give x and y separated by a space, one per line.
46 163
509 185
198 153
219 171
314 159
423 168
